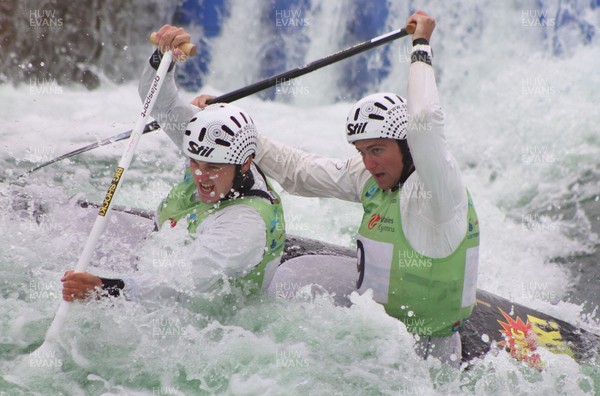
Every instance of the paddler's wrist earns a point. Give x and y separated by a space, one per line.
420 41
421 51
112 287
156 58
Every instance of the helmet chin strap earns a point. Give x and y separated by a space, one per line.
407 170
242 183
408 166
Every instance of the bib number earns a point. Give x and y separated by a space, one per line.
374 264
360 263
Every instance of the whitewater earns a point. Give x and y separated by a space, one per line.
521 118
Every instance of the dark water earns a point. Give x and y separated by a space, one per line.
585 268
76 43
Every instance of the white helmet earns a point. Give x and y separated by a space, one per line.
220 133
381 115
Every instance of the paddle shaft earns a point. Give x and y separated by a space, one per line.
121 136
253 88
104 212
302 70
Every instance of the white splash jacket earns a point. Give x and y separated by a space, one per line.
229 243
434 221
432 202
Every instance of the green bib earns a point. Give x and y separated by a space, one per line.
181 203
430 295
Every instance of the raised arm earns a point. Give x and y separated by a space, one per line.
170 111
436 167
311 175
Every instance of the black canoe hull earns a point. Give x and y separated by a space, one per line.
495 322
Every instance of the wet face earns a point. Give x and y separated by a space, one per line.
383 159
213 181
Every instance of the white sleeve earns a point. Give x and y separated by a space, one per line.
311 175
229 244
444 210
170 111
